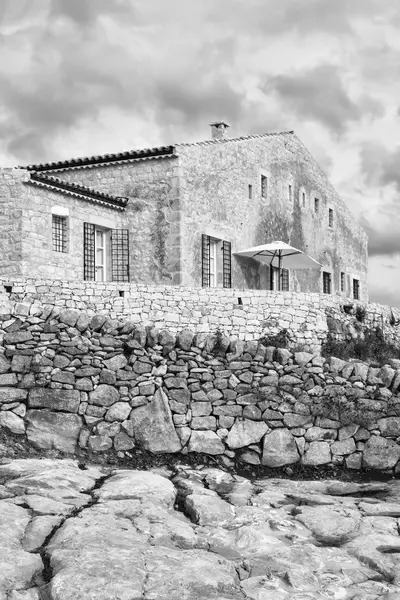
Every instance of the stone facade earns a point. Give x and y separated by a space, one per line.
69 379
177 194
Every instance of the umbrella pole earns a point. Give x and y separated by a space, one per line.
279 271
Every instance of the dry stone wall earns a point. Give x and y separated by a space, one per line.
243 314
70 379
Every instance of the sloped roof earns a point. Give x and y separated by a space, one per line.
79 191
134 155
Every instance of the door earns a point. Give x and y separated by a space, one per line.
100 254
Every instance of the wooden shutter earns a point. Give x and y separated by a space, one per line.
119 255
88 252
205 260
226 264
285 280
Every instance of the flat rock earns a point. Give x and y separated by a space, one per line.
53 430
318 453
208 509
206 442
104 395
380 453
54 399
279 449
245 432
12 422
153 426
330 525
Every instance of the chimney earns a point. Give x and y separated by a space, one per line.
219 130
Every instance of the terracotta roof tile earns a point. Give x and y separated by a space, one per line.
77 190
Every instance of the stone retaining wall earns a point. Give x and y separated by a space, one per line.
242 314
69 379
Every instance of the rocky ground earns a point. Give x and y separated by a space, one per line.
73 531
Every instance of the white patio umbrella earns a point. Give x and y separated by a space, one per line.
281 255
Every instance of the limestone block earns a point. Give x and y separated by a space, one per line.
153 426
116 362
347 446
314 434
69 316
380 453
8 379
53 430
201 409
119 411
387 375
122 441
5 364
99 443
279 449
204 423
12 422
206 442
389 426
318 453
20 363
246 432
104 395
55 399
19 337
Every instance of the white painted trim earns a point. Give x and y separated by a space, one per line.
61 211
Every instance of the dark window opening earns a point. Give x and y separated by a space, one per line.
290 193
121 293
326 282
211 262
285 280
250 191
330 217
240 302
316 205
59 230
264 186
8 289
342 282
304 199
356 289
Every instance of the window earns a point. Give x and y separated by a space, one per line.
264 186
290 194
342 282
304 199
250 191
356 289
330 217
105 253
59 231
326 282
216 262
274 279
316 205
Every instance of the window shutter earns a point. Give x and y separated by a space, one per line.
226 264
205 260
285 280
120 255
88 252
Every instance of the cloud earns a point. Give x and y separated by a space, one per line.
86 12
380 165
384 240
317 94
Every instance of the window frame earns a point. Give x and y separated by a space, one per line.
342 281
326 282
356 289
264 186
59 233
330 217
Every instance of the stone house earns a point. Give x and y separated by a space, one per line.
178 214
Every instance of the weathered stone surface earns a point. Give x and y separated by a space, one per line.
209 509
279 449
69 316
318 453
104 395
246 432
118 412
204 423
12 422
8 379
116 362
185 338
380 453
344 447
55 399
37 531
5 364
302 358
206 442
19 337
99 443
153 426
48 430
389 426
330 525
122 441
12 395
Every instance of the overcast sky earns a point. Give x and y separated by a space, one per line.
83 77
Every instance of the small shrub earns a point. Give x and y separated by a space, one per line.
280 340
372 348
361 313
348 308
393 321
